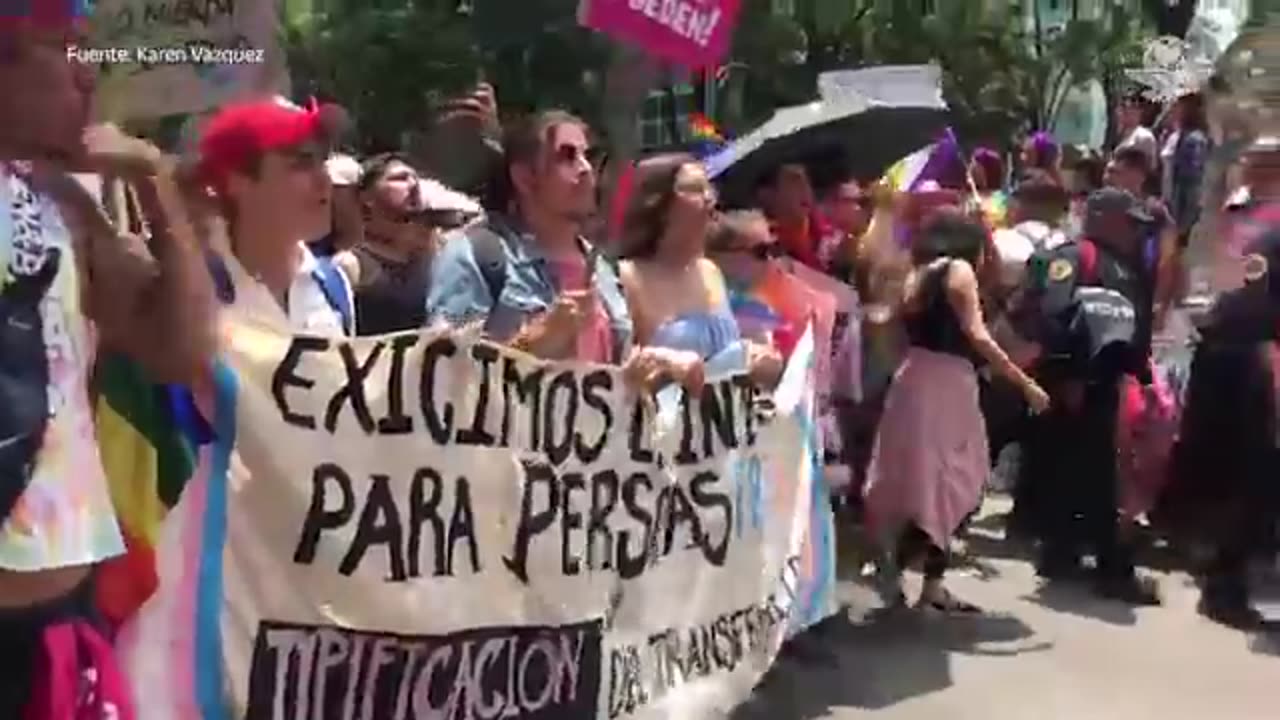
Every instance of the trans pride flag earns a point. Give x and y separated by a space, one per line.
154 445
191 568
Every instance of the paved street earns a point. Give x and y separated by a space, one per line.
1038 654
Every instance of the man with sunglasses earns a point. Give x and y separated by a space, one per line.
265 164
525 272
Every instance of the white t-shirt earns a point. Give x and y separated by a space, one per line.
309 309
1017 244
1145 140
65 515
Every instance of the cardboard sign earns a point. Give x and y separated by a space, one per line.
693 33
169 57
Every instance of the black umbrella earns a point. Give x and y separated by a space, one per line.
847 137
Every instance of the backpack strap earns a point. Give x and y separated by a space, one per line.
487 246
334 286
222 284
1088 262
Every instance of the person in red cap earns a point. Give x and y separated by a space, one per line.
72 286
265 164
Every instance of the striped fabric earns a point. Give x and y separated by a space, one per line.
995 208
177 635
147 435
908 172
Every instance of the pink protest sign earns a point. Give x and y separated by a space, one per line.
693 33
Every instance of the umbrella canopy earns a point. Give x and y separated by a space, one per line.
847 135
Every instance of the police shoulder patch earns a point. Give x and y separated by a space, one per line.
1060 270
1255 267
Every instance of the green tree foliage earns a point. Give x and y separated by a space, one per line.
1001 75
383 61
769 68
391 62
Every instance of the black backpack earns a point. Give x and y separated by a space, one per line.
24 378
1075 313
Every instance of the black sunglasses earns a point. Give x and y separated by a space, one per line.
594 156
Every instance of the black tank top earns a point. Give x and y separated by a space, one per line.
934 325
392 296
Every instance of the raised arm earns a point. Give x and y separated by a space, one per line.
151 298
962 296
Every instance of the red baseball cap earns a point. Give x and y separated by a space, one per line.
241 133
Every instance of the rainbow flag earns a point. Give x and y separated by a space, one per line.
704 136
995 208
701 128
149 436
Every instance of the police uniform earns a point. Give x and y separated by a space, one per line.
1225 482
1091 311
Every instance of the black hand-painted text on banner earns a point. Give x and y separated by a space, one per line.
641 674
330 673
568 415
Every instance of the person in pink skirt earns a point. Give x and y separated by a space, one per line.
930 458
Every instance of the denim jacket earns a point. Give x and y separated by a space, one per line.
459 294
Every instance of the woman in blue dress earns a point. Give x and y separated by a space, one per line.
677 297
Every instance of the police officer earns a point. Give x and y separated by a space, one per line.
1088 304
1225 483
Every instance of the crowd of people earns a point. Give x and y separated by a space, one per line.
995 308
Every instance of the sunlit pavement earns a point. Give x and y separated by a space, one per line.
1037 654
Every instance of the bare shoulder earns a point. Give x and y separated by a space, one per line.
713 281
349 264
629 273
709 270
961 275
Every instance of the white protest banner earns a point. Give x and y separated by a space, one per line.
169 57
422 525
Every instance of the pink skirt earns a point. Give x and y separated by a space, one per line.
930 460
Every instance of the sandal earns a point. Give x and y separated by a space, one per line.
888 583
